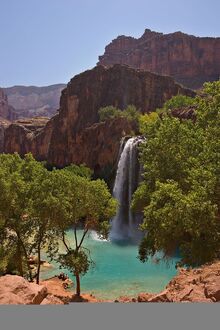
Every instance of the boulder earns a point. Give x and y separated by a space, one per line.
197 294
144 297
212 289
52 300
16 289
160 297
11 299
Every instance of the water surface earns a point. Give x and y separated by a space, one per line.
117 270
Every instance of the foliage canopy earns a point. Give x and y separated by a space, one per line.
38 206
180 192
110 112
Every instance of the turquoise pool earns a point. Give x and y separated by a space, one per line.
117 270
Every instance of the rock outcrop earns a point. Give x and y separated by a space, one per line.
28 135
188 59
75 135
188 112
16 290
4 123
32 101
6 110
195 285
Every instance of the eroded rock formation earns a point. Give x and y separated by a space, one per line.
6 110
190 60
28 135
4 123
75 134
16 290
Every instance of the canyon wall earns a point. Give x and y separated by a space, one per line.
6 114
3 125
188 59
75 135
6 110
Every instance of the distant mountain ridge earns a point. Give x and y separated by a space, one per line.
188 59
31 101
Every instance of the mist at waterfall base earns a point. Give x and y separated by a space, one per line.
118 271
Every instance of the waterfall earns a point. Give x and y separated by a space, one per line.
125 223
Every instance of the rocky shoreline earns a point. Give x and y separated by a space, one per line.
190 285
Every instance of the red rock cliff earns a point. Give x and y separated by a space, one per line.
74 135
190 60
6 111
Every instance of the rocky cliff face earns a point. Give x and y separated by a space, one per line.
4 123
6 111
188 59
29 135
34 101
4 107
75 135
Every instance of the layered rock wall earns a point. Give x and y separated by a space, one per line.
188 59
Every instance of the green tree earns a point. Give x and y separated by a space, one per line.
131 113
37 207
109 112
80 170
16 181
180 191
179 101
47 204
89 206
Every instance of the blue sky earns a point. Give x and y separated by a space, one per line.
49 41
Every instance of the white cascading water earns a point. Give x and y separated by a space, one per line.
125 223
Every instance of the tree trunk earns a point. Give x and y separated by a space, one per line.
21 244
38 265
64 242
27 260
20 266
29 269
77 285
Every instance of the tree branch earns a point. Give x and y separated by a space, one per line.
84 234
75 234
64 241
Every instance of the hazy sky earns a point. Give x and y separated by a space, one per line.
49 41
